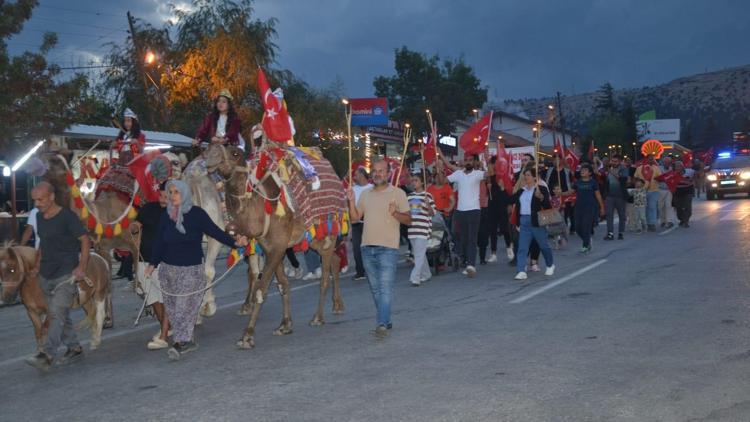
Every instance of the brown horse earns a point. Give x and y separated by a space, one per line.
16 264
275 234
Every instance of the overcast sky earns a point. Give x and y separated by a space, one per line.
528 48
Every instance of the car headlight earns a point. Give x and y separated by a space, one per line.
745 175
711 177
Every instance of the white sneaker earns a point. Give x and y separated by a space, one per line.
492 258
309 276
319 273
297 274
521 276
288 271
156 344
344 269
511 255
550 270
471 271
535 268
415 284
464 272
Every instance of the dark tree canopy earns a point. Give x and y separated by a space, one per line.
449 88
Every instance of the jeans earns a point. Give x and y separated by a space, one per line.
652 203
380 266
610 205
529 232
665 207
421 271
467 231
312 260
59 293
357 247
584 218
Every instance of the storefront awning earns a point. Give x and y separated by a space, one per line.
110 133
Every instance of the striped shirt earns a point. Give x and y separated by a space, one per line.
421 221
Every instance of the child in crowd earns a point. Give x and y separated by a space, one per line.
639 203
422 208
558 232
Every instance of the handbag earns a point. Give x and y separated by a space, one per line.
549 217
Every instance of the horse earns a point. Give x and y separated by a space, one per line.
275 233
17 277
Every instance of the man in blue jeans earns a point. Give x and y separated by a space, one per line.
386 208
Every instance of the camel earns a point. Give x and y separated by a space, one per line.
109 206
275 234
16 263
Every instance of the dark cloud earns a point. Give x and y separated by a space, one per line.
519 49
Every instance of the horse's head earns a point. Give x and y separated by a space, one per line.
15 264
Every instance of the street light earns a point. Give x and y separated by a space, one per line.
348 116
550 107
6 171
150 58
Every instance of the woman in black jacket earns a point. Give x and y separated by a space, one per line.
530 198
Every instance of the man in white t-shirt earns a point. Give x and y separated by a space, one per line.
467 181
31 229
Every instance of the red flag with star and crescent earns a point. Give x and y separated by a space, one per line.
504 169
146 182
277 123
474 140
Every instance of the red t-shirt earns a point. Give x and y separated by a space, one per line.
441 196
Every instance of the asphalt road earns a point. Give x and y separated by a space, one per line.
652 328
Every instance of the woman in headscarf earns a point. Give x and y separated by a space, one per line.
178 252
222 125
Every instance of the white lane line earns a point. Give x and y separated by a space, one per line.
669 230
156 324
734 216
554 284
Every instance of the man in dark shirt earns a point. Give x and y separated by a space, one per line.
147 222
63 238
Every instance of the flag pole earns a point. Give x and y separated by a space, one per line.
407 136
348 116
424 164
536 149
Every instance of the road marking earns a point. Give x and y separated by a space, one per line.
734 216
669 230
156 323
554 284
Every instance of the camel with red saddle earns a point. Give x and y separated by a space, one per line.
285 197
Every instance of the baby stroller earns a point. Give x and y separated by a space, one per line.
440 246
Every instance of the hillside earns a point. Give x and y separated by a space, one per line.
710 105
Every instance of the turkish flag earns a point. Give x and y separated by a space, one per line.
139 168
671 178
571 159
474 140
430 150
277 123
504 169
707 156
687 159
558 147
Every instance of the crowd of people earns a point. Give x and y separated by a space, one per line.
533 212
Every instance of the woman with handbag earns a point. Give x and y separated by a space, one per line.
532 200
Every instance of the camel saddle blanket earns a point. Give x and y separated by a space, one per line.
328 199
120 180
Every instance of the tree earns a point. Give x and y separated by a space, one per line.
449 89
605 99
34 103
610 130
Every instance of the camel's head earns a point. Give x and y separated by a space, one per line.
15 263
177 164
224 159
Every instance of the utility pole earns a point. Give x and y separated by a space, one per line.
562 119
138 53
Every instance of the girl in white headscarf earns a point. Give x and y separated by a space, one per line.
178 252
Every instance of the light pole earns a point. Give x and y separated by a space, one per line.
348 116
12 173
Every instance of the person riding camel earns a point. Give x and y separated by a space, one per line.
130 143
222 125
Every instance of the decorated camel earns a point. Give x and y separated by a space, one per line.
16 265
285 197
109 214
